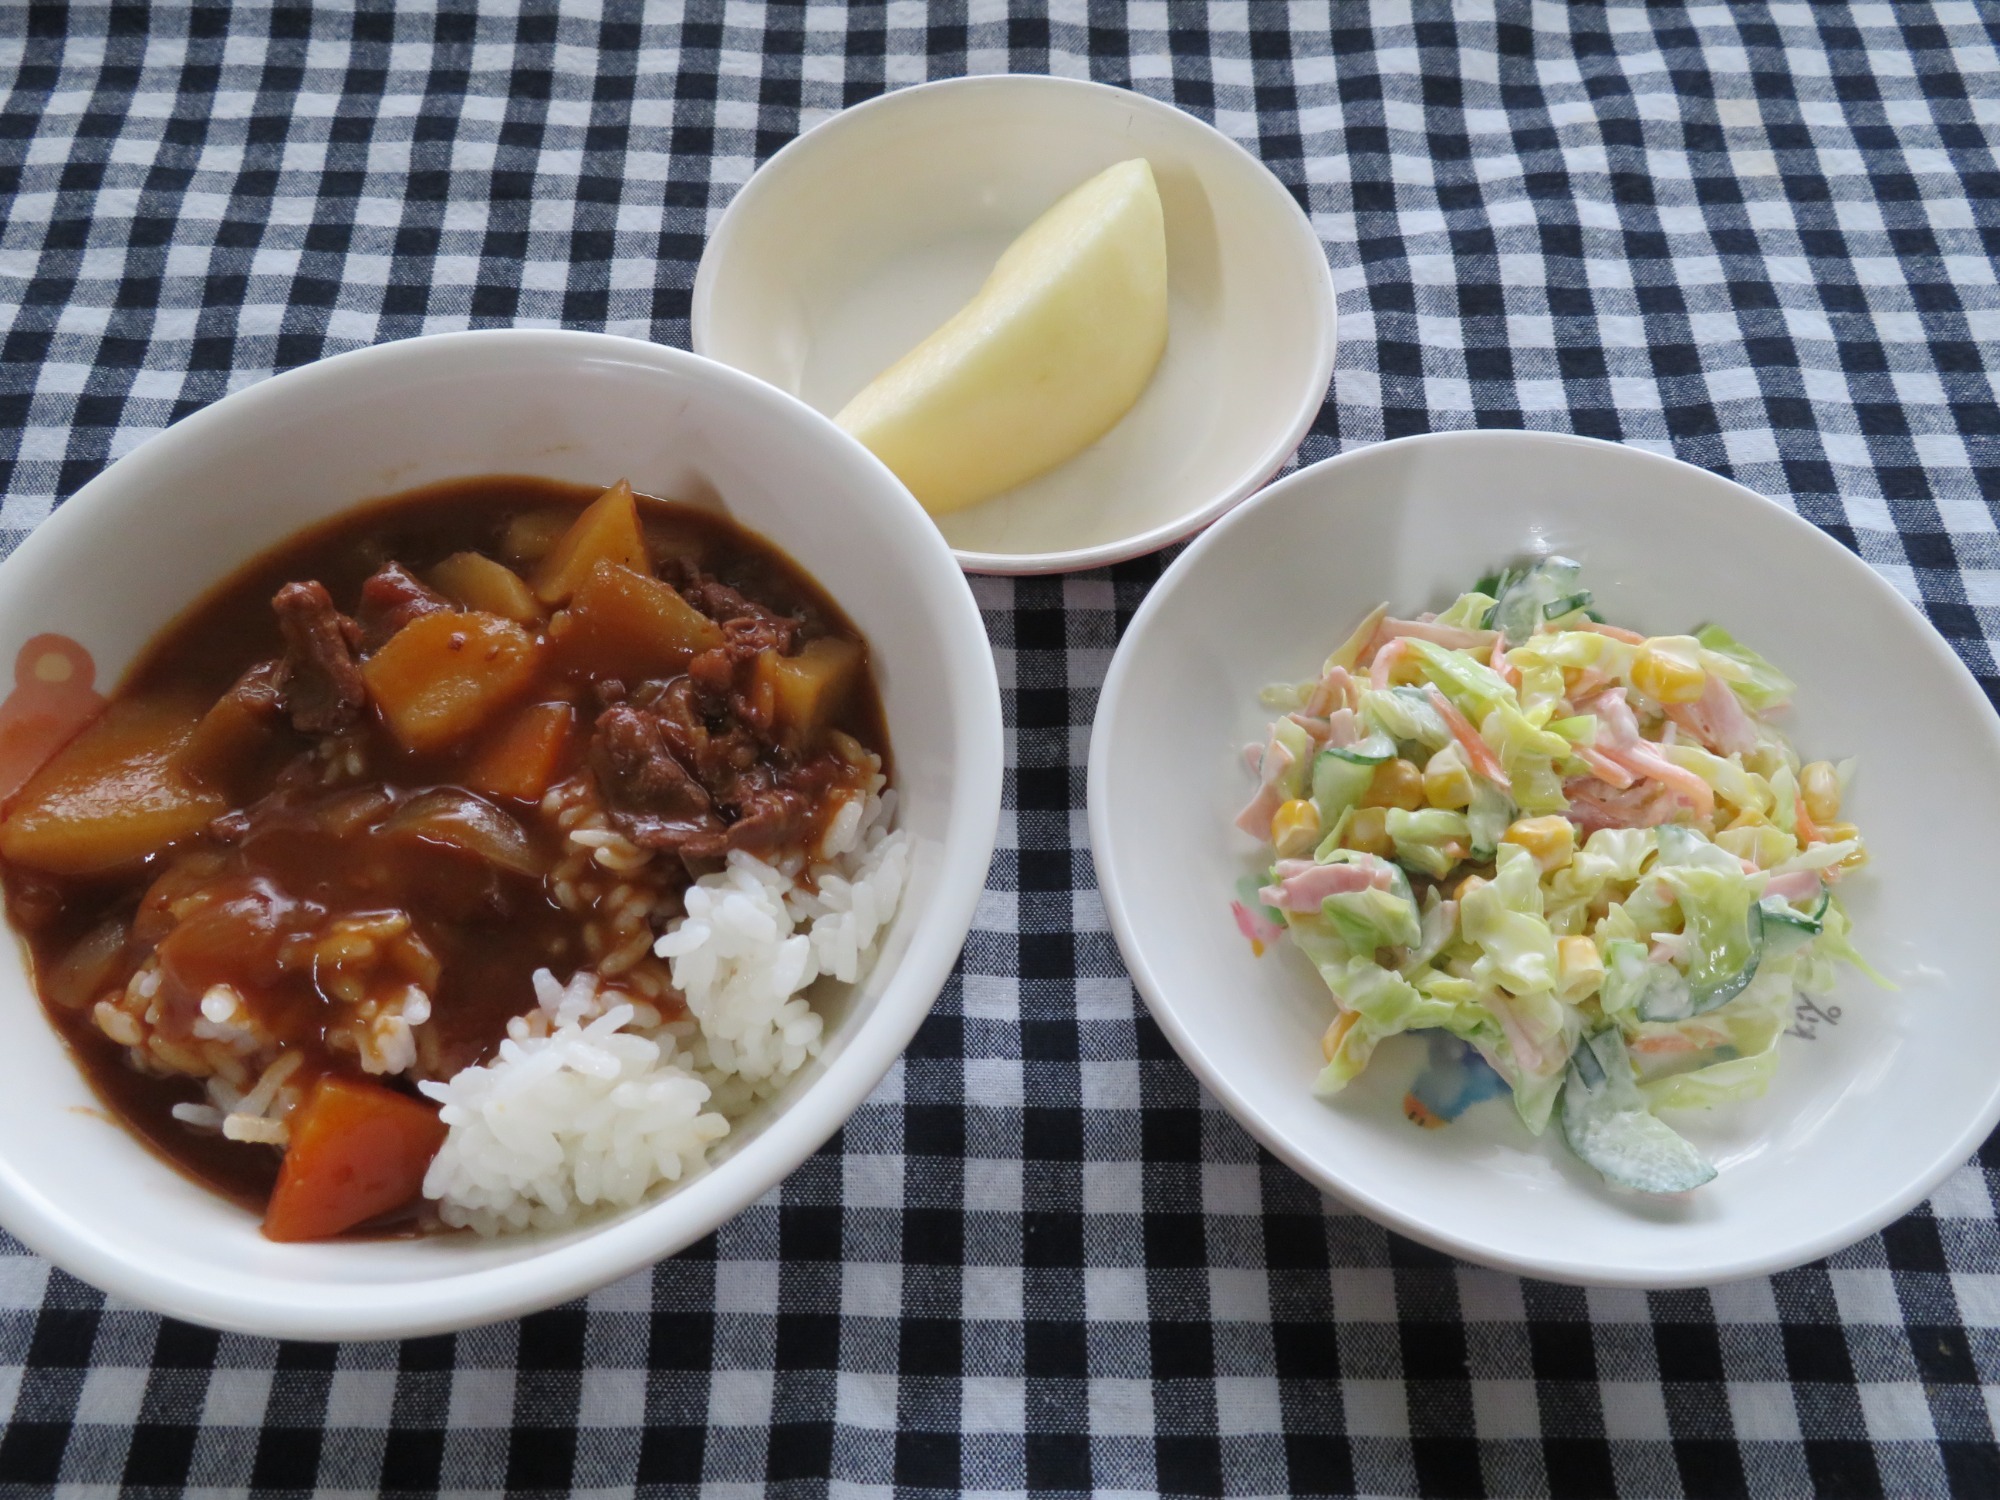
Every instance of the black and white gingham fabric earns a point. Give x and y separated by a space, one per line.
1761 238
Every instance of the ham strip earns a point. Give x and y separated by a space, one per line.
1643 760
1384 664
1451 637
1336 690
1799 885
1617 725
1606 769
1255 926
1618 741
1593 805
1255 819
1717 719
1302 885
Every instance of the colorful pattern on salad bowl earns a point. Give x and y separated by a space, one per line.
1878 1094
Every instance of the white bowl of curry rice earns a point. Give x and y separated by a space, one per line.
478 812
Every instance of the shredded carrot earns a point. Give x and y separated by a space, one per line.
1479 755
1643 759
1659 1045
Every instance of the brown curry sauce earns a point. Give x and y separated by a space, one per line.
489 929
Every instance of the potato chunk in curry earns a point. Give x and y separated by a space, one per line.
444 675
115 794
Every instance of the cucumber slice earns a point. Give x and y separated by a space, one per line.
1716 975
1340 776
1786 928
1337 784
1372 751
1777 909
1557 608
1526 593
1722 970
1607 1124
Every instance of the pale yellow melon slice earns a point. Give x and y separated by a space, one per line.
1053 351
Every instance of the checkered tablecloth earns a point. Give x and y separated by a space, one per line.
1038 1259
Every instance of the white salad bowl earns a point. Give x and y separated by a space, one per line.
1878 1095
140 543
859 238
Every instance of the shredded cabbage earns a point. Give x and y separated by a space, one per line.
1648 959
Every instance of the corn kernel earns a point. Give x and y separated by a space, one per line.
1397 783
1666 678
1295 828
1819 784
1551 839
1467 886
1447 782
1367 832
1579 967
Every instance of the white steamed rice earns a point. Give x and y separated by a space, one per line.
593 1100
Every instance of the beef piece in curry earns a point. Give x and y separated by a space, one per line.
314 850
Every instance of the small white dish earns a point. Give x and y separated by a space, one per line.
854 242
146 538
1877 1098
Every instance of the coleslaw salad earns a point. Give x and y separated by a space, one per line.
1589 854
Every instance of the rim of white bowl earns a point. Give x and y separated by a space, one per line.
1242 1103
671 1222
1306 242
